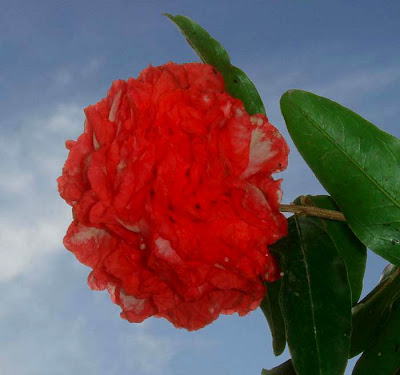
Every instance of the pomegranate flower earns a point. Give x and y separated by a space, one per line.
172 197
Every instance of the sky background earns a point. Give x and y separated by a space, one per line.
58 57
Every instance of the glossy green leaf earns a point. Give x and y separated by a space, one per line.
371 313
357 163
212 52
315 299
349 247
383 357
272 311
286 368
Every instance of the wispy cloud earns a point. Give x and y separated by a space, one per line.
67 75
145 344
359 82
35 219
24 245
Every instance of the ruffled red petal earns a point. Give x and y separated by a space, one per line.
173 200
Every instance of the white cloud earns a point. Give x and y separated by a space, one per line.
35 218
349 83
360 82
15 181
91 67
39 351
153 353
64 76
62 121
24 244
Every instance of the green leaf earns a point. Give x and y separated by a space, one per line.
286 368
212 52
357 163
383 357
315 299
272 311
371 313
349 247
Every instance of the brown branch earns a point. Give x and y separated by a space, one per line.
312 211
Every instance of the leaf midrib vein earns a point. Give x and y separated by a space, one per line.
310 294
343 151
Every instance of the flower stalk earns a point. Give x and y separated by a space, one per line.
312 211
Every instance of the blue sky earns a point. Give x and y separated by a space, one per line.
56 58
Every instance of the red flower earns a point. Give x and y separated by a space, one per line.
172 195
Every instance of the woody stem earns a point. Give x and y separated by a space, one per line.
312 211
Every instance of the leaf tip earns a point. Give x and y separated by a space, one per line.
285 98
294 97
278 350
168 15
289 94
